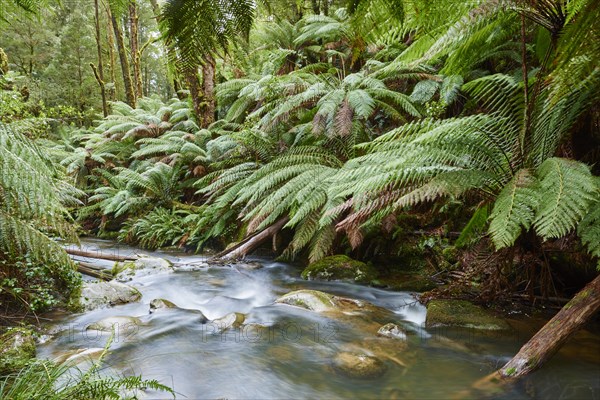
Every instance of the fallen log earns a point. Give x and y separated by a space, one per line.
93 271
249 244
544 344
99 255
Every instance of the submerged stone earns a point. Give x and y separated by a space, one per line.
17 348
74 357
116 323
340 267
99 294
462 313
392 331
359 365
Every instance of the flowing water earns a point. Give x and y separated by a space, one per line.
286 352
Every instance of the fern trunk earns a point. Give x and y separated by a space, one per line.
207 115
541 347
193 84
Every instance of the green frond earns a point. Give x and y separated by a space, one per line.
514 209
567 189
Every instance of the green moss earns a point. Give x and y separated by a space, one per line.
405 282
340 267
120 267
510 371
74 302
17 349
463 314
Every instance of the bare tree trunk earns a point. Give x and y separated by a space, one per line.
207 115
129 93
541 347
99 74
99 255
249 244
135 53
325 7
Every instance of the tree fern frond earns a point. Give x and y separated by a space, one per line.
514 209
567 189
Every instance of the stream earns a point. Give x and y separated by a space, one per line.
284 351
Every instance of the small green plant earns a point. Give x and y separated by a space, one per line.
47 380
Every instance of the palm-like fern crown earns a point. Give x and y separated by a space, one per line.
196 28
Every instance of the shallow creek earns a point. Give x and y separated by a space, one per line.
286 352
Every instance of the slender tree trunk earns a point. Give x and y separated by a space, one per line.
315 6
100 72
325 7
129 92
541 347
114 92
207 115
135 53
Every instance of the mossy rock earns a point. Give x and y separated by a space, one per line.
340 267
406 282
312 300
232 320
462 313
143 266
158 304
17 349
100 294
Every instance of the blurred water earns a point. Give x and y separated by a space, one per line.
286 352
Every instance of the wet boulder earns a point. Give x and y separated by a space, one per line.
311 300
99 294
232 320
166 305
358 365
340 267
17 349
143 266
314 300
161 304
461 313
